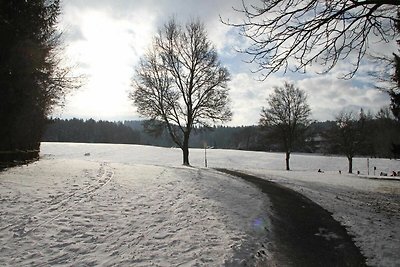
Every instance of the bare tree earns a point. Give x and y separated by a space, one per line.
298 32
347 137
287 113
181 83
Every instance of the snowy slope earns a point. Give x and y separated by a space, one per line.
136 205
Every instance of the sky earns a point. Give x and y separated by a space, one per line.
104 41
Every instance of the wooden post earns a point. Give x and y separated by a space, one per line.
205 154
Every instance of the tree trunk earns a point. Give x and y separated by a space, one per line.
185 149
287 160
350 164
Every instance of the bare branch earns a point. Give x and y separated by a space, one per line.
294 34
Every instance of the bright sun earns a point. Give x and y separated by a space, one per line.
107 53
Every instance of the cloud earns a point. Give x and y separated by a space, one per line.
328 95
107 38
249 96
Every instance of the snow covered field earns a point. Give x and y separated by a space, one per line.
137 206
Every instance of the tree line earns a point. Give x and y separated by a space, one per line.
374 135
89 131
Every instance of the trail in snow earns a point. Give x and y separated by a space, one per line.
61 204
74 212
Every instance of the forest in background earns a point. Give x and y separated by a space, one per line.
379 136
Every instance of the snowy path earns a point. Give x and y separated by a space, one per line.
80 212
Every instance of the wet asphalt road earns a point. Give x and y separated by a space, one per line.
304 234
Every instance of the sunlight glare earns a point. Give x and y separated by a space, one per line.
107 54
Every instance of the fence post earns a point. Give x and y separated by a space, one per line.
205 154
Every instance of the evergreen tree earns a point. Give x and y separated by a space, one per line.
395 93
32 79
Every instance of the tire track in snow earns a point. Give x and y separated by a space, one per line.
105 174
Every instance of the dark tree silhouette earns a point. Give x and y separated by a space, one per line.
394 92
32 78
181 83
301 33
287 114
388 76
